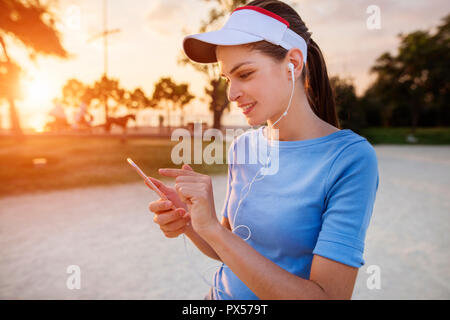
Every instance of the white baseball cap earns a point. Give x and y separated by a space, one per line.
246 24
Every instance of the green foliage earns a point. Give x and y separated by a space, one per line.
172 95
398 135
348 107
33 24
414 84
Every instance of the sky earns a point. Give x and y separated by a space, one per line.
150 41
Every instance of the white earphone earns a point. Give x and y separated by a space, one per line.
291 68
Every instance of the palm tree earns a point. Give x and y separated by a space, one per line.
33 25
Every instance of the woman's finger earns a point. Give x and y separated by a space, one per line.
185 192
169 172
187 167
160 205
168 217
188 179
174 225
175 233
188 189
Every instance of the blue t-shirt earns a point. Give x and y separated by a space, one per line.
319 202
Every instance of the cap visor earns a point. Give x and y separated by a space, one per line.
201 47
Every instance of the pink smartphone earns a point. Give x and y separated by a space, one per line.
147 179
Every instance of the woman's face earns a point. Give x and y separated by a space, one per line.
259 79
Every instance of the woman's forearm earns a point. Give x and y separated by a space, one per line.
200 243
263 277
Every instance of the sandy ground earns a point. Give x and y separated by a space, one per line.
109 233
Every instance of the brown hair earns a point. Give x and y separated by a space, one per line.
314 75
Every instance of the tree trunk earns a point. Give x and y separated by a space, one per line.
217 114
105 106
168 117
13 116
14 120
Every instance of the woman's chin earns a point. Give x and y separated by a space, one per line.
254 122
251 123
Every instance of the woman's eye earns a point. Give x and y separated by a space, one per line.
242 76
245 75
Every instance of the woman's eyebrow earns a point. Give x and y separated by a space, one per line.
237 67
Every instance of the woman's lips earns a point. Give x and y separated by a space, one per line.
249 110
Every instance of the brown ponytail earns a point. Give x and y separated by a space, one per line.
315 76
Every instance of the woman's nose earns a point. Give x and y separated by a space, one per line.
234 92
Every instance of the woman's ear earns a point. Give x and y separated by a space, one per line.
295 56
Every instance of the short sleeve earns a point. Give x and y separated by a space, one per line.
350 196
230 158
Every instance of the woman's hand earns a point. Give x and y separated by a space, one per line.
195 190
171 193
172 222
171 215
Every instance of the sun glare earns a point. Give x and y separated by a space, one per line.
38 91
37 124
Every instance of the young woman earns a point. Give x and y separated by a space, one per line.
297 233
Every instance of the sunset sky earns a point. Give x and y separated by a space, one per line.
151 37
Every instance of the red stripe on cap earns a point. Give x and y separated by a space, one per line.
264 11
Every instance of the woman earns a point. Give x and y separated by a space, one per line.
300 232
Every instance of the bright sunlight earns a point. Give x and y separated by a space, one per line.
38 91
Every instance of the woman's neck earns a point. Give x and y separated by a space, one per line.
300 123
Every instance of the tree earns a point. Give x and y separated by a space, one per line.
136 99
106 92
182 98
217 88
417 77
219 99
386 94
32 24
350 111
438 84
172 95
74 92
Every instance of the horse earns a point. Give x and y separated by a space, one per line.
118 121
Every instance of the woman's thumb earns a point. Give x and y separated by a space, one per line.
187 167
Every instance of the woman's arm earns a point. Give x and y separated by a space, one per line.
201 244
328 279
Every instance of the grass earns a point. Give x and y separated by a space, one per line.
428 136
88 161
83 161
